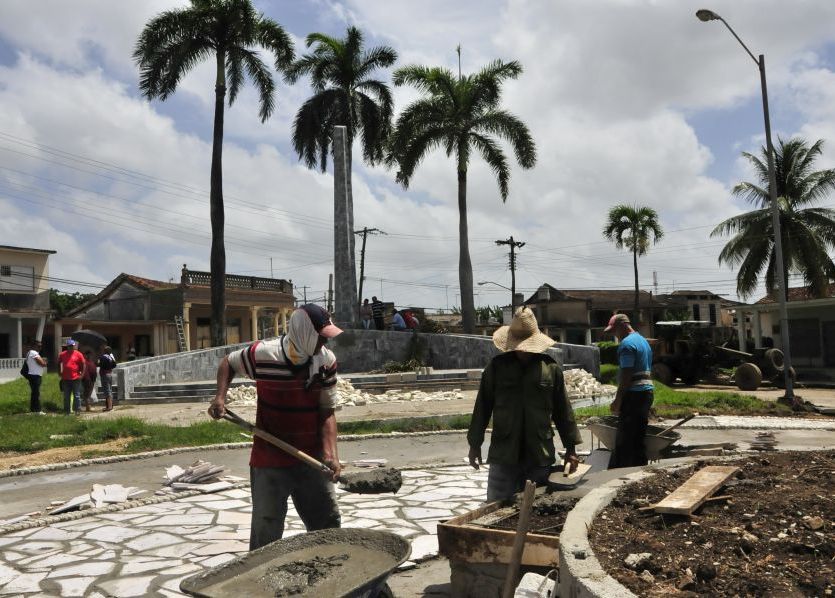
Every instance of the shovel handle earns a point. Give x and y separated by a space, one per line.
677 424
287 448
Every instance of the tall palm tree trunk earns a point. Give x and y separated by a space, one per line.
218 254
465 266
636 314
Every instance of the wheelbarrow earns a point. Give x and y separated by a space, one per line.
331 562
605 428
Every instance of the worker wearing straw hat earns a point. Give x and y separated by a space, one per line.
523 390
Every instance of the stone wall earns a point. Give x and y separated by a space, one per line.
356 350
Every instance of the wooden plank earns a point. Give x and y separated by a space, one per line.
694 492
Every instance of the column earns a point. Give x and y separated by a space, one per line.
740 328
275 324
588 336
58 328
19 346
155 340
758 330
41 326
253 323
284 321
187 324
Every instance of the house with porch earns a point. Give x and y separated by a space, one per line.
157 318
811 327
578 316
24 302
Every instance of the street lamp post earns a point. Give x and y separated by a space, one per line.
512 294
709 15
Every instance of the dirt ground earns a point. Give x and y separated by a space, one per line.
61 455
773 536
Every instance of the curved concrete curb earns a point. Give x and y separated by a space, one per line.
8 473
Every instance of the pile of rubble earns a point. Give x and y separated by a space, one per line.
580 384
350 396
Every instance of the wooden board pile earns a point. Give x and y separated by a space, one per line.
697 490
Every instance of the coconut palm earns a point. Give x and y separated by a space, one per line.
231 32
461 115
808 233
345 93
635 228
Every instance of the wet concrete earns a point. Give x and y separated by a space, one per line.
329 562
373 481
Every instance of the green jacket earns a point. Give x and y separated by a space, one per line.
523 399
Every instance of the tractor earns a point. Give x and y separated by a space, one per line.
692 350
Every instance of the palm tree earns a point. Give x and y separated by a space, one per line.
636 228
175 41
347 94
808 233
460 114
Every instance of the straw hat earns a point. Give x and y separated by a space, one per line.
522 335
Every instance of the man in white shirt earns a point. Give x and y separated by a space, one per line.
36 365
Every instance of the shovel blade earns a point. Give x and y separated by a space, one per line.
374 481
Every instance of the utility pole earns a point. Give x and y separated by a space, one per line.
513 246
330 293
364 232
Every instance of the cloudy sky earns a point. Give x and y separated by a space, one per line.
629 101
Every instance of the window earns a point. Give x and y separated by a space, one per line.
697 314
5 270
712 313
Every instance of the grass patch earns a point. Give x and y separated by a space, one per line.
14 396
671 403
608 374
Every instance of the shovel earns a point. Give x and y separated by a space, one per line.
366 482
676 425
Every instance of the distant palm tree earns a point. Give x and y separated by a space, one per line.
636 228
808 233
347 94
460 115
174 42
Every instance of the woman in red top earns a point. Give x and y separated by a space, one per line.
72 367
89 380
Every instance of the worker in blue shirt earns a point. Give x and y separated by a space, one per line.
634 395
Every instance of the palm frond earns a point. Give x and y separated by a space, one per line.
495 159
263 79
507 126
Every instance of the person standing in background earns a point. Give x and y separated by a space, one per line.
36 365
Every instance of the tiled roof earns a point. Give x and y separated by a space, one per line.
600 298
147 283
799 294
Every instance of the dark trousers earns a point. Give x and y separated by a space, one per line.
35 392
313 496
379 323
632 429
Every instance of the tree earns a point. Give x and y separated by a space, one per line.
345 94
808 233
635 228
460 115
63 303
175 41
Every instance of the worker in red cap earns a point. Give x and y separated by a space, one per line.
634 395
295 375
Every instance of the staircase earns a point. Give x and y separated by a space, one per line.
181 334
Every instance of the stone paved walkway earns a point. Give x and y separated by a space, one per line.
148 550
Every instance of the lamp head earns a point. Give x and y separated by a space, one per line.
482 282
706 15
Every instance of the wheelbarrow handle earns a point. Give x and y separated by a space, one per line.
677 424
287 448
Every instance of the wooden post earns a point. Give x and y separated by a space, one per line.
519 542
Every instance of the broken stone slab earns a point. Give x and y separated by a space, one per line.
72 504
205 488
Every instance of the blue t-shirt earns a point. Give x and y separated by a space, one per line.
634 352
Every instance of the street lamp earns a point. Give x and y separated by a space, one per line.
705 16
512 298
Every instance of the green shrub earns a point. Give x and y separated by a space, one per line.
608 352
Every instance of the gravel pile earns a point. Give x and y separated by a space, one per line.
350 396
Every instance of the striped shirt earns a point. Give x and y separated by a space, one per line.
271 363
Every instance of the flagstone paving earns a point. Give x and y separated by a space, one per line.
148 550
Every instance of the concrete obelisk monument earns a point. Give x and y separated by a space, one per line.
343 234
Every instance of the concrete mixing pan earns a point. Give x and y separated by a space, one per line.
606 427
331 562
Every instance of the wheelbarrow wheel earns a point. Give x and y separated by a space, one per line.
663 373
774 358
384 592
748 377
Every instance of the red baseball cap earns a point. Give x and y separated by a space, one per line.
321 320
613 321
